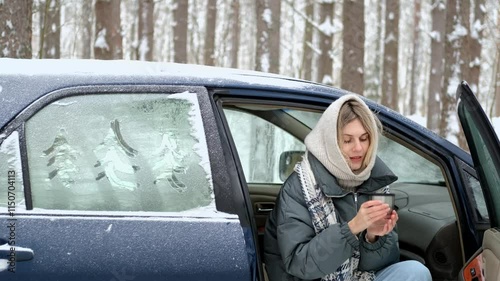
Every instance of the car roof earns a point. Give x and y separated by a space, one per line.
68 71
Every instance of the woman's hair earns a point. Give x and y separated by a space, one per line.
352 110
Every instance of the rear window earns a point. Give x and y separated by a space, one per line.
119 152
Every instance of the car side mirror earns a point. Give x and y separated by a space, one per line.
288 159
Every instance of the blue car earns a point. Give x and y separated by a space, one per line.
126 170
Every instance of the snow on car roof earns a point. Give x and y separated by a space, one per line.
80 67
112 67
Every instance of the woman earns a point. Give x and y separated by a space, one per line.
324 226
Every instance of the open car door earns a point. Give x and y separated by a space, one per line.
485 151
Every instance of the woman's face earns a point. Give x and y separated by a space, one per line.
354 144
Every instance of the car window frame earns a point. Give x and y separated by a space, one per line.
408 133
388 132
221 186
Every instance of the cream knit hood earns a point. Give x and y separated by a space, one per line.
323 144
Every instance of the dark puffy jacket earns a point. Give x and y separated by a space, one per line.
292 250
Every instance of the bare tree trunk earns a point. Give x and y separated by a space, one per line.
180 30
146 29
15 28
379 49
463 9
262 39
307 52
474 38
235 34
352 77
86 22
108 44
497 82
374 66
268 35
495 108
415 60
465 58
41 24
50 37
209 51
134 34
274 39
266 60
195 33
390 78
451 70
324 63
437 64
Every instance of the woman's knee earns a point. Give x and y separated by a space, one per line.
415 270
411 270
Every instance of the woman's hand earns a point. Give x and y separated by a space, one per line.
370 213
382 227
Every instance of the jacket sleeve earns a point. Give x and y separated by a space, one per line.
380 254
305 254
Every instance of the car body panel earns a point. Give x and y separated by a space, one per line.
128 248
217 240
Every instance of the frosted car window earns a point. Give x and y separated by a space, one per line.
119 152
11 177
477 196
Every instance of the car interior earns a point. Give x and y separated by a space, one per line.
427 226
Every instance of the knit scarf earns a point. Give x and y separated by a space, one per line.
323 144
323 215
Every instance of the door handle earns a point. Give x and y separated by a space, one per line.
264 208
19 253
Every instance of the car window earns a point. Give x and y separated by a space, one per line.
477 196
119 152
11 178
261 138
409 166
490 170
259 144
405 163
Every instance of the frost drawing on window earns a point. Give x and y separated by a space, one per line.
120 152
170 163
61 159
10 156
115 159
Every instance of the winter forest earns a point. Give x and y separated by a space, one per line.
408 55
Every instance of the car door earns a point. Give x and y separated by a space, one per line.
485 150
118 183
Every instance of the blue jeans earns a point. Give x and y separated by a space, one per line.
405 270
